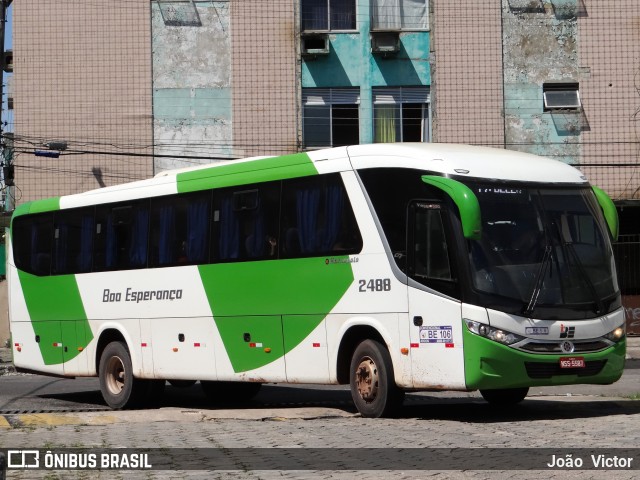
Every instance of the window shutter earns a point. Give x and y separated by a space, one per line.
330 96
392 96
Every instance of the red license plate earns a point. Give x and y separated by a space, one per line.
572 362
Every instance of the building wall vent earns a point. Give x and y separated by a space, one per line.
385 43
561 96
313 44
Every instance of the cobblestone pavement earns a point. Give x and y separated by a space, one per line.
539 423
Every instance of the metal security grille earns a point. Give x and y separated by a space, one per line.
134 87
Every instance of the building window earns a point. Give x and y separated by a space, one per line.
399 15
401 114
330 117
561 96
328 15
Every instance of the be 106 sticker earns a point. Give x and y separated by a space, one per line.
436 334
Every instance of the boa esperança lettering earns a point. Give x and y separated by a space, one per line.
137 296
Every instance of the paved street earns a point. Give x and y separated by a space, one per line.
552 421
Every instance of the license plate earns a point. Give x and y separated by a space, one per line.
572 362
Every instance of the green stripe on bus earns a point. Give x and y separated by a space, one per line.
57 315
243 173
248 299
22 209
37 206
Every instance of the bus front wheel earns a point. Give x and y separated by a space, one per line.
373 386
118 386
505 396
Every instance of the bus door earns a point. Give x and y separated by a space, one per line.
434 312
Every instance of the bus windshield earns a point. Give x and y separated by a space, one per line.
542 249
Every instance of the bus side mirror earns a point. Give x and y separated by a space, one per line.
465 200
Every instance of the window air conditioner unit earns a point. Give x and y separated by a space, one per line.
8 61
313 44
385 42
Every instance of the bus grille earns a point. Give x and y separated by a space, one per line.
554 347
548 370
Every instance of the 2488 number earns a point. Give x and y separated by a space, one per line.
375 285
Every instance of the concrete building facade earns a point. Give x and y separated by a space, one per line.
82 76
137 87
120 90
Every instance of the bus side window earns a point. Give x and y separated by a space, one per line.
429 257
32 238
179 230
245 222
121 236
73 241
317 218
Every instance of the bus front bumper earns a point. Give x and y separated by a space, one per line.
490 365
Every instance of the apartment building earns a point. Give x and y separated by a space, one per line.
106 92
138 86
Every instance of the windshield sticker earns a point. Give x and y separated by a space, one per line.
536 331
501 191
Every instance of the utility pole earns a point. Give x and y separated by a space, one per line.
7 161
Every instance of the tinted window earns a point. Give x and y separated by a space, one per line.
179 230
317 218
121 236
73 241
245 222
391 190
429 255
32 237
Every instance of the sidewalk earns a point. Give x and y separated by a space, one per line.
633 353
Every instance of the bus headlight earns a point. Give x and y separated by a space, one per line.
617 334
495 334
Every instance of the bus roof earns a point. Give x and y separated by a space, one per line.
439 158
466 160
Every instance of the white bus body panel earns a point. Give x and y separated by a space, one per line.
436 346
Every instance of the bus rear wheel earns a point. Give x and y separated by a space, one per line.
505 396
118 386
373 386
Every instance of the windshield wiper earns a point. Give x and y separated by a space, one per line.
542 271
585 276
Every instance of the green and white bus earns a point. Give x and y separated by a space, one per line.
389 267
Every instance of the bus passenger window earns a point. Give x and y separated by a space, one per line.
32 237
73 241
317 218
245 222
121 236
179 233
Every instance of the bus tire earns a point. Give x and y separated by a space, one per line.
230 392
118 386
505 396
373 386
